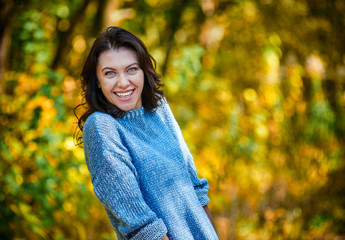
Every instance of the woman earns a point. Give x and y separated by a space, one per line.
140 166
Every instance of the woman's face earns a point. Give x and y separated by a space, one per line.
120 78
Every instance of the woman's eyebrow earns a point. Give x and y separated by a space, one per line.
107 68
130 65
110 68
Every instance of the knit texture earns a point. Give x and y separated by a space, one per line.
144 175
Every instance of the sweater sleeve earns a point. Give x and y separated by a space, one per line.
200 185
116 182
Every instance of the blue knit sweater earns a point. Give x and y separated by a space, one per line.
144 175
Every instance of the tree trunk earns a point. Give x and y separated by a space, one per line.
6 8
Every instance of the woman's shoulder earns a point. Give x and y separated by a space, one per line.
99 121
99 116
162 101
163 105
101 133
164 109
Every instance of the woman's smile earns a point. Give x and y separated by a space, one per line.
124 94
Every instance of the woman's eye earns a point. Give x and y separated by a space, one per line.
110 73
132 70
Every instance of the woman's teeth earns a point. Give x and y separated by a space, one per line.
124 95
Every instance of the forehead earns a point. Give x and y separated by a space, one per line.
117 57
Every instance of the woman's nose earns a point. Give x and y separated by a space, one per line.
123 81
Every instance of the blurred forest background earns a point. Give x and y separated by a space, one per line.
258 87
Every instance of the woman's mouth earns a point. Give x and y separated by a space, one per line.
124 94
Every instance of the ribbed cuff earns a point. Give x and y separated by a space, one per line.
154 231
204 200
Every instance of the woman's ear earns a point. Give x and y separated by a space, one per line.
99 85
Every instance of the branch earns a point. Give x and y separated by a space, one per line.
63 37
6 9
174 24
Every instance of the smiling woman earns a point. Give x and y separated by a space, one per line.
121 78
140 166
114 39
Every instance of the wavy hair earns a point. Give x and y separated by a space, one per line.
92 97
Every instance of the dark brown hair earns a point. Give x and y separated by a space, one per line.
93 98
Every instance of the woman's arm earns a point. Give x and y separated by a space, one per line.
208 213
115 181
200 185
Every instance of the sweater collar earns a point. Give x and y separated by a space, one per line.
135 113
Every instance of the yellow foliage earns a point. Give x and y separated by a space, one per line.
260 105
26 84
249 94
79 44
